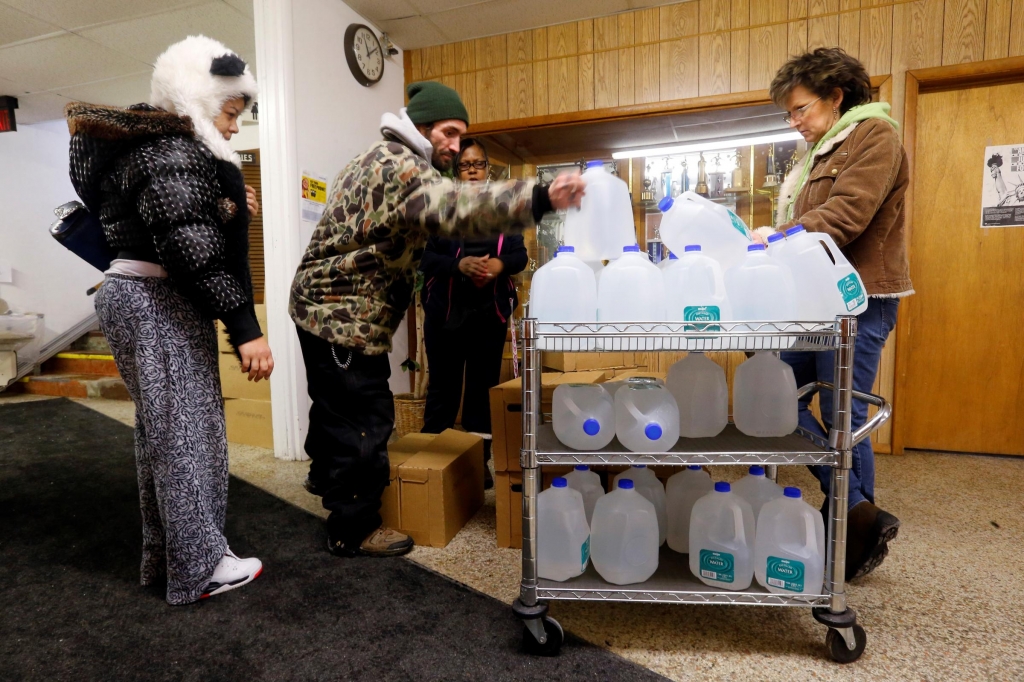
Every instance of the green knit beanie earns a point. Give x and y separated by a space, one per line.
430 101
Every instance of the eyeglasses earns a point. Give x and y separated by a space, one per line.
799 113
466 165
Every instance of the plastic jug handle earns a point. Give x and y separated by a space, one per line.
812 543
637 414
572 408
737 518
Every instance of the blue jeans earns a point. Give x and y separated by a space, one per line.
873 327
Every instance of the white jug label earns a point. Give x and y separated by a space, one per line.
716 566
785 574
585 553
852 291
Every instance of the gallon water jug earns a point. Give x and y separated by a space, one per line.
757 489
692 219
624 536
588 484
563 535
764 399
583 416
695 289
827 285
761 288
702 395
646 417
789 550
722 540
775 243
564 289
648 485
604 222
631 289
672 258
681 492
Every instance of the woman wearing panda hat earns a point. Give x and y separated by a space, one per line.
168 189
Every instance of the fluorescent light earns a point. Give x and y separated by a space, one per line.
710 145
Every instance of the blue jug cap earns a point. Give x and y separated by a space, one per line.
626 483
627 249
595 164
756 247
582 467
565 249
756 470
694 467
653 431
639 466
691 247
665 204
673 256
793 230
722 487
792 492
591 427
772 238
559 483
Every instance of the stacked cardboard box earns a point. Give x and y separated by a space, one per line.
436 485
246 403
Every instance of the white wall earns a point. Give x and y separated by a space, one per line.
48 278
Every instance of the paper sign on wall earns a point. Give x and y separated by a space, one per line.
1002 189
314 196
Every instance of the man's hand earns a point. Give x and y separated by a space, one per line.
567 190
250 200
473 267
257 359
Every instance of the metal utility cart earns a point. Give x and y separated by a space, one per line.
673 582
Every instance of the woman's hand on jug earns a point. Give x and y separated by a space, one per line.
257 360
567 190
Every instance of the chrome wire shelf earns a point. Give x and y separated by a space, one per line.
729 447
579 337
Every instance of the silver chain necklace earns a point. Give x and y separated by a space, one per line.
339 363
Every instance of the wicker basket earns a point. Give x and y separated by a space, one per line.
408 413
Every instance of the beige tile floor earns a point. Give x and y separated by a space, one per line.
946 605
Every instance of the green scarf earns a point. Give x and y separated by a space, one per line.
856 114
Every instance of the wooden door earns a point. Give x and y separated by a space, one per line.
964 386
251 173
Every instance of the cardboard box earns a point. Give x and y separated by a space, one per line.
507 413
441 487
235 384
222 335
582 362
249 422
398 452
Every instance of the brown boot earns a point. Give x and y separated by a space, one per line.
868 532
386 542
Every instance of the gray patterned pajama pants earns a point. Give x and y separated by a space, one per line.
166 352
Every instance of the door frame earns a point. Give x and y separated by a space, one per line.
922 81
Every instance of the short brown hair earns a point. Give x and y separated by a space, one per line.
821 72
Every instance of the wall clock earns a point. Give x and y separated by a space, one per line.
364 54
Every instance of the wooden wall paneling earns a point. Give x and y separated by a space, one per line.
491 52
563 74
647 62
916 43
585 45
432 62
627 59
822 23
876 37
849 26
562 40
606 62
739 49
769 38
997 29
414 69
520 74
963 34
797 39
714 64
449 64
540 72
466 85
1017 28
679 54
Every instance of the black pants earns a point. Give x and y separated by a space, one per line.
351 419
475 349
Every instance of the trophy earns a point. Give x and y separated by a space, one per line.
702 178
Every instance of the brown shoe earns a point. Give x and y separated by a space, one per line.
869 530
386 542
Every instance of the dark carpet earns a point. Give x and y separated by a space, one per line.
71 607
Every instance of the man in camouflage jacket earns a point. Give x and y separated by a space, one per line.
355 283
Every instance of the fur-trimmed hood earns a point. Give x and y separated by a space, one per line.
115 124
194 77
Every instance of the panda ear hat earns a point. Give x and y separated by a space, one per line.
194 78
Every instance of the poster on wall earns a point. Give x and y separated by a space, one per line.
314 196
1002 189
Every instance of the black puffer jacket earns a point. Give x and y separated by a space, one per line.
163 197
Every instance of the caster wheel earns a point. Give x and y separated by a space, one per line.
553 644
837 645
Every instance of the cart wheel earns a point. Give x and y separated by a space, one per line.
837 645
553 644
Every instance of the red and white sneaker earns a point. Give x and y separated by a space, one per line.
232 572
